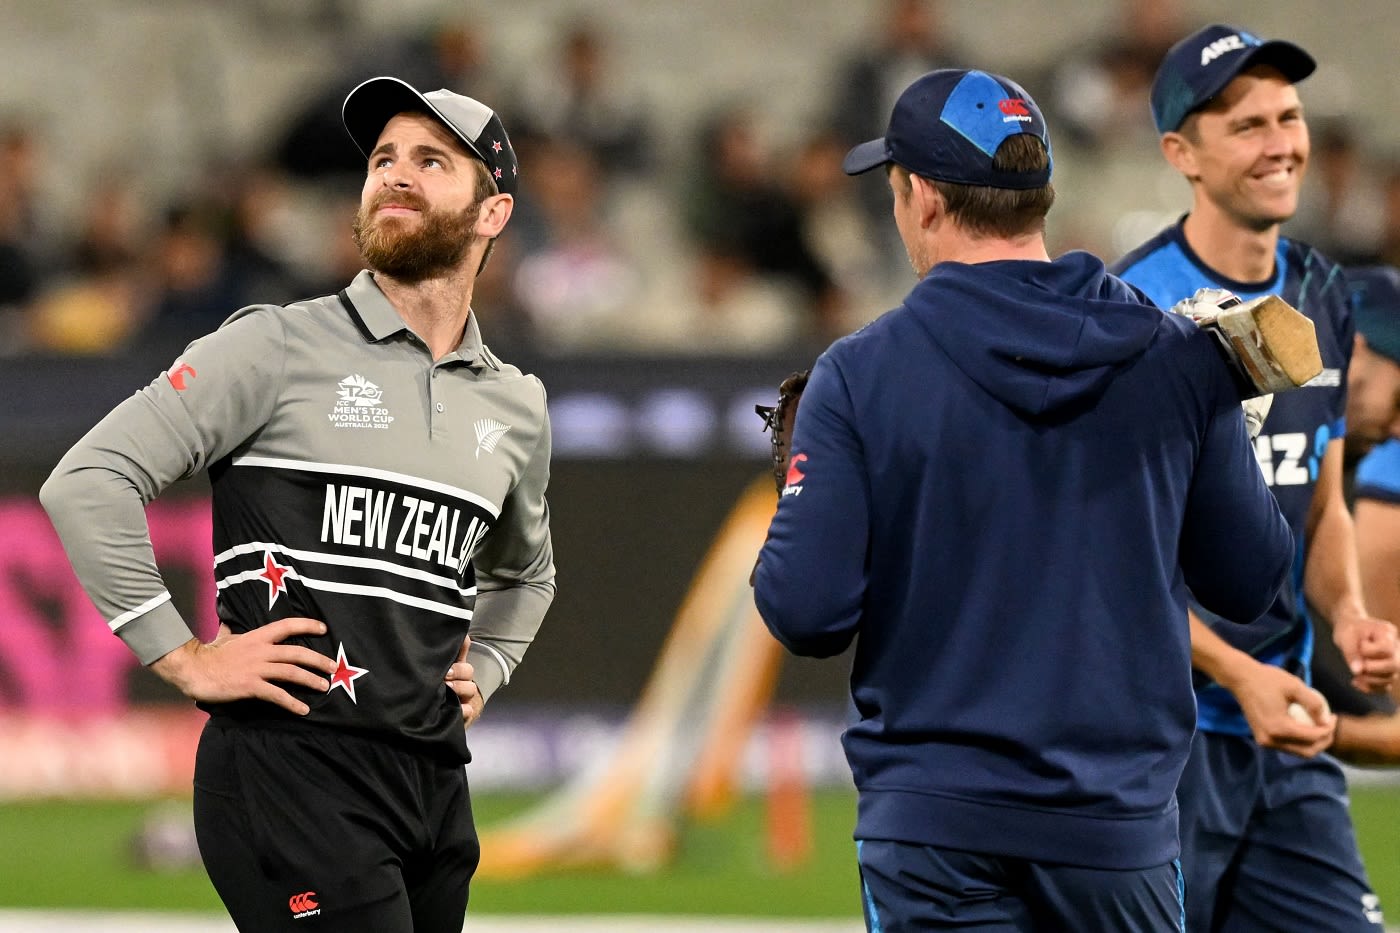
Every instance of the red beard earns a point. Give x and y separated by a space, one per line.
396 247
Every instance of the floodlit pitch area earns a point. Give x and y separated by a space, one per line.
51 884
72 922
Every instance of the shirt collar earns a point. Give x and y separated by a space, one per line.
377 319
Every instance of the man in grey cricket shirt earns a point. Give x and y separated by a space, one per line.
378 483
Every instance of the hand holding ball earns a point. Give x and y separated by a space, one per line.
1301 714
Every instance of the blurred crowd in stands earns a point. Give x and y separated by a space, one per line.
738 246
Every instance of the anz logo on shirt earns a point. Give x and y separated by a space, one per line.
1288 459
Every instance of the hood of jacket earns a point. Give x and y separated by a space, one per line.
1038 336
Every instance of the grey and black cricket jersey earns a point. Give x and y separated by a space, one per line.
356 481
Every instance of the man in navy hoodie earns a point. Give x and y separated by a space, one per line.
1005 487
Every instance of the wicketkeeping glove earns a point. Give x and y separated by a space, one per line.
1204 307
779 420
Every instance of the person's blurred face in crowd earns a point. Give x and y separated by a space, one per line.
583 60
736 150
912 25
1373 398
566 190
420 202
1247 151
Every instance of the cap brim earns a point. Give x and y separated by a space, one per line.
865 157
1292 61
373 103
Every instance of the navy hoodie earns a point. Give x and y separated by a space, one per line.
1002 490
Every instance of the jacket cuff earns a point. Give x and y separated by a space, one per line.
154 634
490 669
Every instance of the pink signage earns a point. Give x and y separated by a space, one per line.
57 655
140 753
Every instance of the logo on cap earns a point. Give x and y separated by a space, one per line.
1219 47
1015 109
949 124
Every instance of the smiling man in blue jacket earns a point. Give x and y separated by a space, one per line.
1002 490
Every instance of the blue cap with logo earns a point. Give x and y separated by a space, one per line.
1375 307
1198 67
947 126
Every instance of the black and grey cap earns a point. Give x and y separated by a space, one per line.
375 102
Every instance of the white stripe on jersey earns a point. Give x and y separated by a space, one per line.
140 610
280 463
320 557
356 589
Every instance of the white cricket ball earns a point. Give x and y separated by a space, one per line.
1300 713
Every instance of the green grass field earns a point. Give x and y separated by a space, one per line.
57 855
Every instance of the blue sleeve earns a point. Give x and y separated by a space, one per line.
1236 546
811 577
1378 473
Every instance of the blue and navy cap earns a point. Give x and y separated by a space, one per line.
1375 307
1198 67
373 103
947 126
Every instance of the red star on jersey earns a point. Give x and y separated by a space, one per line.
345 674
272 575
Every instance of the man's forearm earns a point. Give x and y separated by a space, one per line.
1331 572
174 666
1378 555
1214 656
1368 740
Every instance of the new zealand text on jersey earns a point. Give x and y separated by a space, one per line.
1284 459
406 525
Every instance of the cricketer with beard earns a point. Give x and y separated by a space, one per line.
378 482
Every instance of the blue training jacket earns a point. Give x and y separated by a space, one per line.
1002 489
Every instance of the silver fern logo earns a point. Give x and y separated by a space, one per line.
489 432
